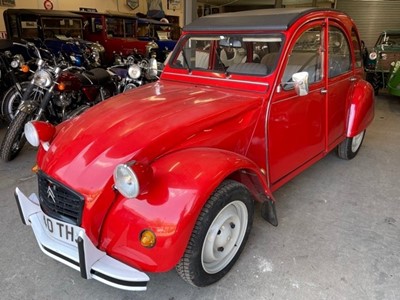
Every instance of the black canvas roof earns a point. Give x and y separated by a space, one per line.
263 19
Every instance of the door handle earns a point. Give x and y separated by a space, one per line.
352 79
324 91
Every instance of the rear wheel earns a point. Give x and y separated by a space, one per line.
219 236
349 148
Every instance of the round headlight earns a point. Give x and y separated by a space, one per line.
31 134
373 55
134 71
17 61
42 78
126 181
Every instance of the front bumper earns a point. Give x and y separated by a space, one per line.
80 254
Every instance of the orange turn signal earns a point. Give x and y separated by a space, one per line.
61 86
147 238
35 168
25 68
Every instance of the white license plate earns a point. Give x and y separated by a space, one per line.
61 231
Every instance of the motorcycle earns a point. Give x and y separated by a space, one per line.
10 76
134 71
55 94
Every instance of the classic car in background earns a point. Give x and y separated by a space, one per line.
245 103
117 32
59 31
382 59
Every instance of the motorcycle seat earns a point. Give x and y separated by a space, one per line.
98 75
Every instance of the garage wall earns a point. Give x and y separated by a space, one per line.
100 5
372 17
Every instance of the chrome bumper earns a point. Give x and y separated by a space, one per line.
84 256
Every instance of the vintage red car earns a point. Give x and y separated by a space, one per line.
167 175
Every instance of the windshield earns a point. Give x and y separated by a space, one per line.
389 39
237 54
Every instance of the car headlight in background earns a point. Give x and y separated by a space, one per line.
126 181
42 78
373 56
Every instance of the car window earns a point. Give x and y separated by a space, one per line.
306 56
339 52
236 54
357 49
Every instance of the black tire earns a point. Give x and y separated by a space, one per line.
220 233
349 148
11 100
14 139
375 80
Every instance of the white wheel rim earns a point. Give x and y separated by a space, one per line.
224 237
356 142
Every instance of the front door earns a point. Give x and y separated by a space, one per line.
296 128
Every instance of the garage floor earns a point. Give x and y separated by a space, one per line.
338 235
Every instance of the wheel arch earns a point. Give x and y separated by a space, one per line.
361 108
183 181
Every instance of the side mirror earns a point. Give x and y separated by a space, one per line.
300 83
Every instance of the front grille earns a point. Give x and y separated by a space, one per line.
59 201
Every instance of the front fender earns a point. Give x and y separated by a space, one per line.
361 109
183 181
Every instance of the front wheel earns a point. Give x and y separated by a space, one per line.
14 139
349 148
219 236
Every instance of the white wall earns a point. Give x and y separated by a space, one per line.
100 5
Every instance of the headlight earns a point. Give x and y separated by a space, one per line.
373 56
18 60
126 181
31 134
134 71
42 78
39 132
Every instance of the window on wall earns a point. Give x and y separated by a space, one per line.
339 52
306 56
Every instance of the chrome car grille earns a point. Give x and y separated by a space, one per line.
59 201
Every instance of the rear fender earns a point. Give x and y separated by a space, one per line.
361 109
182 183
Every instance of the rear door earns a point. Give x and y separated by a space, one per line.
340 82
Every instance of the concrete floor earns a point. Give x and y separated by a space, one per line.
338 235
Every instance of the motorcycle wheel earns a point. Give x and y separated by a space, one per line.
14 139
11 101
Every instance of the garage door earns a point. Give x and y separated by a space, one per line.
372 17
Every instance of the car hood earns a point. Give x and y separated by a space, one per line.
142 124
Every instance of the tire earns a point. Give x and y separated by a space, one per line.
14 139
375 80
349 148
11 100
219 235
